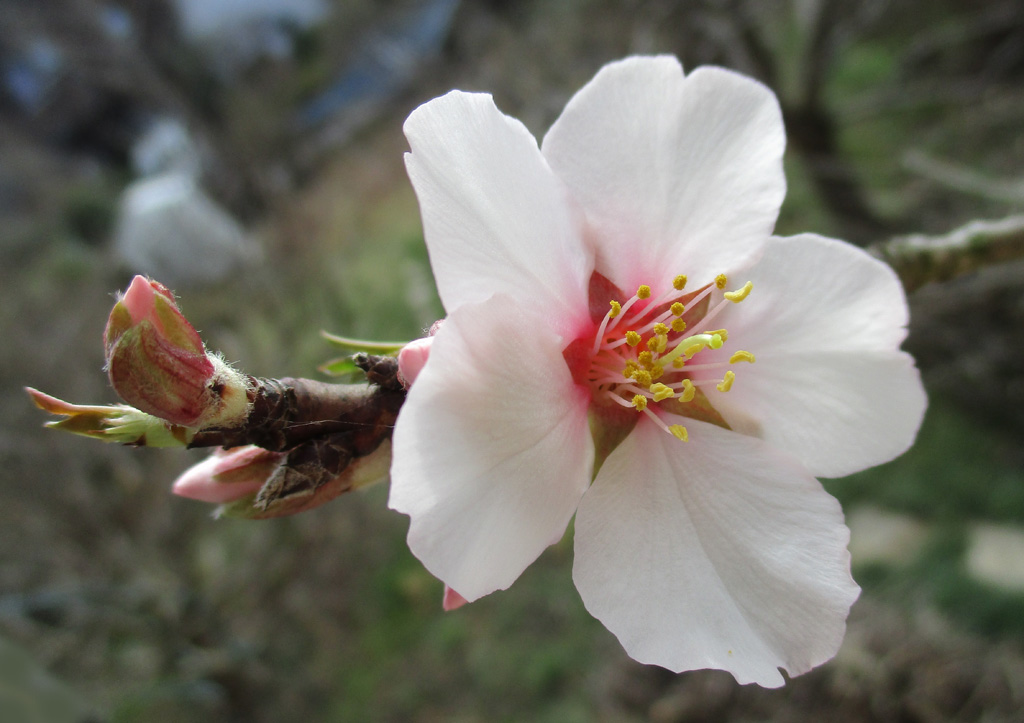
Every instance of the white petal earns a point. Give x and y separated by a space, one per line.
676 175
824 321
495 218
815 294
836 412
491 449
715 553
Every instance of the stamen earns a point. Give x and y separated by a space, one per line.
673 291
721 280
662 392
643 292
642 377
619 400
628 305
612 313
677 309
640 402
678 325
689 391
679 432
726 383
676 430
741 355
632 338
740 294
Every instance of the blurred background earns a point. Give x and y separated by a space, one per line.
249 154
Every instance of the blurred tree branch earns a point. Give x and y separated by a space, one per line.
919 259
964 179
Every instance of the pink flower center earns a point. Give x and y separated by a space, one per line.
646 351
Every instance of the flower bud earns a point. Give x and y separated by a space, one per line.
412 358
227 475
156 362
360 472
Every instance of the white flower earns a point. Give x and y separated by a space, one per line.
722 551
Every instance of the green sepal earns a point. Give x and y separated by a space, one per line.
698 408
115 423
609 426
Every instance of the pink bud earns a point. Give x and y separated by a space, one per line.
412 358
227 475
156 361
452 600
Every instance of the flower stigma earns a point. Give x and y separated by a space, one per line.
641 355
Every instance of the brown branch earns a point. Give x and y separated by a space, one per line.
919 259
289 412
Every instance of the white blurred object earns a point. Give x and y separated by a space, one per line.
879 536
166 146
995 555
169 229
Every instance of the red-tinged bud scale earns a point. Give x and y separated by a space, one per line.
156 362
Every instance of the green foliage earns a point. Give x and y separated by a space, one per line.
959 472
959 469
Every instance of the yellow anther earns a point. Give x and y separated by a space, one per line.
741 356
716 341
645 359
678 325
658 343
689 391
660 328
726 384
721 280
720 332
640 402
679 432
740 294
616 309
643 292
693 349
661 392
679 282
678 363
631 367
657 370
642 377
632 338
677 309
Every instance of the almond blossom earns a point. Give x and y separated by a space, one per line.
627 343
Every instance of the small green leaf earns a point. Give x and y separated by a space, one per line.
389 348
341 367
